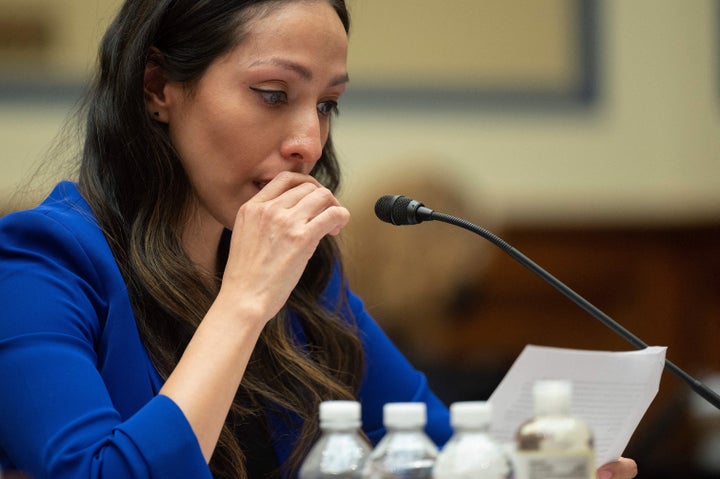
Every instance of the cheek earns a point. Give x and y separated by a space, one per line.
211 141
239 132
325 132
221 138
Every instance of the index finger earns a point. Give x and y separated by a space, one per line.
283 182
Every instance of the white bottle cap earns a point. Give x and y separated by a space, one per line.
405 414
552 396
340 414
470 414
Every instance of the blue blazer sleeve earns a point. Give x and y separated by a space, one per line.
389 376
59 415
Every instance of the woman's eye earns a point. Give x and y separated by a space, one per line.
327 108
272 97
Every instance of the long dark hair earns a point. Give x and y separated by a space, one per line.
132 178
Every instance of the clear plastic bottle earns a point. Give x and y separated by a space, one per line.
554 444
341 450
405 452
472 453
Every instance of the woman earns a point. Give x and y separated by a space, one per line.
182 304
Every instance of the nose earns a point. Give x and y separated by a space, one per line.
305 139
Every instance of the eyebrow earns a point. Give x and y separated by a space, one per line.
300 70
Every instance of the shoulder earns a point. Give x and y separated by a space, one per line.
65 207
62 223
56 251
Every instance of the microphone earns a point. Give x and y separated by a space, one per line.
401 210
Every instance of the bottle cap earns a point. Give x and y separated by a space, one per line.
405 414
552 396
340 414
470 414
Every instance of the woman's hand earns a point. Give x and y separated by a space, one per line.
275 234
623 468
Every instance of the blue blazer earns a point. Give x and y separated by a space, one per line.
79 393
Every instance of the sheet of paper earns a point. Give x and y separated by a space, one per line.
611 391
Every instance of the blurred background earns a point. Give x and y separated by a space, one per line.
586 133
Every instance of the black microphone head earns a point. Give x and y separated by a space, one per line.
385 208
401 210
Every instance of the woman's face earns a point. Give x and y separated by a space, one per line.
261 109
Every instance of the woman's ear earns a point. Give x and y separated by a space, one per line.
154 84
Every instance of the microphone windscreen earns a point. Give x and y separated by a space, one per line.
384 207
400 213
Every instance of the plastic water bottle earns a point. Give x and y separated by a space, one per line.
405 452
471 452
341 450
554 443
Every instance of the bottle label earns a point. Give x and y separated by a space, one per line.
563 465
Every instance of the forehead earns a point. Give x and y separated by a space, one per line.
306 34
311 25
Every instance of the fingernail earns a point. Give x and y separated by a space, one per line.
605 475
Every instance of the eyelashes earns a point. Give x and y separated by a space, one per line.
328 108
276 98
272 97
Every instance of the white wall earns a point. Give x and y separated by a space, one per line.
649 150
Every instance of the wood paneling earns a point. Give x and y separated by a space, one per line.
661 283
